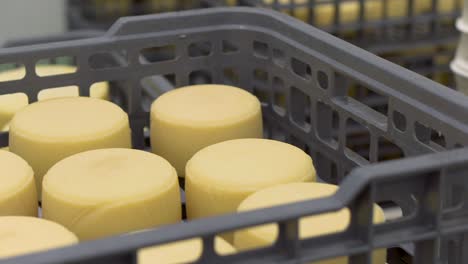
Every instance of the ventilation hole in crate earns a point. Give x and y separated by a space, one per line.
200 77
388 150
457 146
262 94
244 235
399 121
392 211
279 93
326 168
296 142
454 199
300 108
322 80
231 77
155 85
260 49
59 60
157 54
12 72
42 70
105 60
369 98
260 75
357 139
279 58
199 49
229 46
429 136
327 124
58 92
301 69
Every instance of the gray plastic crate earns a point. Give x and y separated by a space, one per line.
391 37
101 14
273 55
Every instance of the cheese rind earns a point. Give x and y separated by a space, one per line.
12 103
311 226
185 120
105 192
181 252
17 189
45 132
22 235
220 176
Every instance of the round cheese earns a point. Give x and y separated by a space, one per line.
311 226
185 120
181 252
17 188
324 11
22 235
220 176
45 132
105 192
12 103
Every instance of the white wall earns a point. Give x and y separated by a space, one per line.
30 18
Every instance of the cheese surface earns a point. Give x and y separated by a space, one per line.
105 192
22 235
220 176
45 132
17 189
185 120
324 13
181 252
12 103
311 226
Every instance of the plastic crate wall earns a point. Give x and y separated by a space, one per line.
301 75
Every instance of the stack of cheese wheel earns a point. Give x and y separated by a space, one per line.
185 120
324 13
181 252
311 226
105 192
45 132
22 235
220 176
12 103
17 188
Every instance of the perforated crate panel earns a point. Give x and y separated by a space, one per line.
302 76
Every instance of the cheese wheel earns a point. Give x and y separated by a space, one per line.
17 188
220 176
23 235
105 192
181 252
311 226
12 103
185 120
45 132
324 13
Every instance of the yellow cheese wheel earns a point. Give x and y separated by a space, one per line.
220 176
17 188
324 14
105 192
312 226
12 103
23 235
181 252
185 120
45 132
